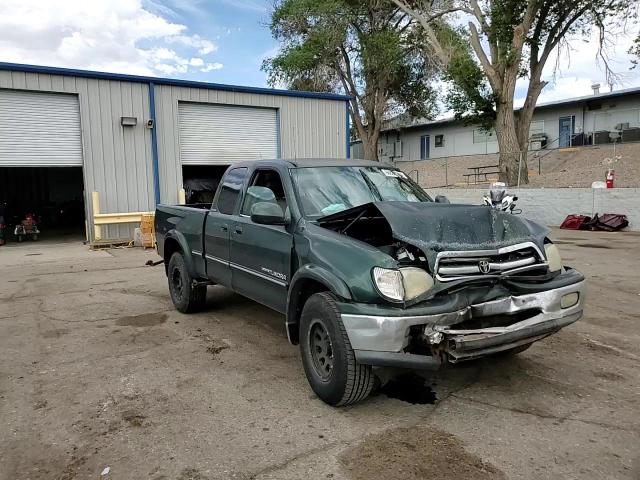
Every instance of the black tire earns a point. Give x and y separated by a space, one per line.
187 296
339 379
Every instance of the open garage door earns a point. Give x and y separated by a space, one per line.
224 134
39 129
52 196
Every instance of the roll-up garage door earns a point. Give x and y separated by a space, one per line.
39 129
225 134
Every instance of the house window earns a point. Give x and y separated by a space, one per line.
439 141
482 135
424 147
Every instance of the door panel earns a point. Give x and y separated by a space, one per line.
216 247
260 262
566 131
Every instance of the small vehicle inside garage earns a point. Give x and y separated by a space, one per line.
42 203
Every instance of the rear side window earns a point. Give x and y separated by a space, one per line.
231 190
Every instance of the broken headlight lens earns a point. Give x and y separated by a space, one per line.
404 284
389 283
416 281
553 257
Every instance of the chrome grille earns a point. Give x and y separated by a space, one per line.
456 265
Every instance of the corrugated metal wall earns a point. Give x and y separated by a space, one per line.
309 127
117 160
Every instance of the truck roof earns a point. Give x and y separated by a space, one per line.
316 162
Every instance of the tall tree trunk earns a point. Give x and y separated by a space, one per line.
370 149
369 136
511 150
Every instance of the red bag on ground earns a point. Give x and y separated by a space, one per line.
612 222
575 222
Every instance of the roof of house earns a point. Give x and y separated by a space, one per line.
401 122
166 81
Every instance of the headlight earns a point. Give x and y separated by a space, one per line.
389 283
404 284
416 282
553 257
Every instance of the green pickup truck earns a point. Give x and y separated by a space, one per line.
368 270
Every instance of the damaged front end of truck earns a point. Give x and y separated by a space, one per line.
467 282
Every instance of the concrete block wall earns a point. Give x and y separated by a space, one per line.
550 206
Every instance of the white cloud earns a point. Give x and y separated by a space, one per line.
212 66
106 35
203 45
578 67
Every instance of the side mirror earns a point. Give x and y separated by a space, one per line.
441 199
267 213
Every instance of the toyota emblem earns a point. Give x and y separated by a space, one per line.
483 266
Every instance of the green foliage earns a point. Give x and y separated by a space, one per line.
469 95
365 48
552 23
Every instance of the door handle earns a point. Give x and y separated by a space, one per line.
224 228
238 229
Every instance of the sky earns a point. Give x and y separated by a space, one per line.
220 41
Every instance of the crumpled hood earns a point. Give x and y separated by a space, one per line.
436 227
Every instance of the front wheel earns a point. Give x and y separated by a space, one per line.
328 359
187 296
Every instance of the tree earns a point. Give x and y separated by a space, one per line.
506 40
367 49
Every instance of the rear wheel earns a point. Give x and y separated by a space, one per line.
187 295
327 356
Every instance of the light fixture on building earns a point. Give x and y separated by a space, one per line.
128 121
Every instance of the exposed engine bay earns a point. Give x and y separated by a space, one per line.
368 225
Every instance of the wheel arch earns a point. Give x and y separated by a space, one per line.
175 242
309 280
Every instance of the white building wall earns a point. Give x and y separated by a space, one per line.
308 127
550 206
613 112
117 159
458 138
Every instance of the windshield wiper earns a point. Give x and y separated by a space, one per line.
371 185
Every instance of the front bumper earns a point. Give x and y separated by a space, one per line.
383 340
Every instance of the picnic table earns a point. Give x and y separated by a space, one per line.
478 173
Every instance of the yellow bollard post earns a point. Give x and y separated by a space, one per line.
97 229
182 197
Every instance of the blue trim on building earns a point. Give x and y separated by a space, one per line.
154 142
278 139
166 81
348 122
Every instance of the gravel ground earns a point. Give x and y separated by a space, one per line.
97 370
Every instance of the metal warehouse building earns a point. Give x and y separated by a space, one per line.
65 134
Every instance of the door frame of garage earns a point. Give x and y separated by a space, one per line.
82 165
263 107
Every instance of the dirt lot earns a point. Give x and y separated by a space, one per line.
97 370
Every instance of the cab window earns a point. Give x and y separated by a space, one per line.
230 191
265 186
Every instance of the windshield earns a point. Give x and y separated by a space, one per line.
326 190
